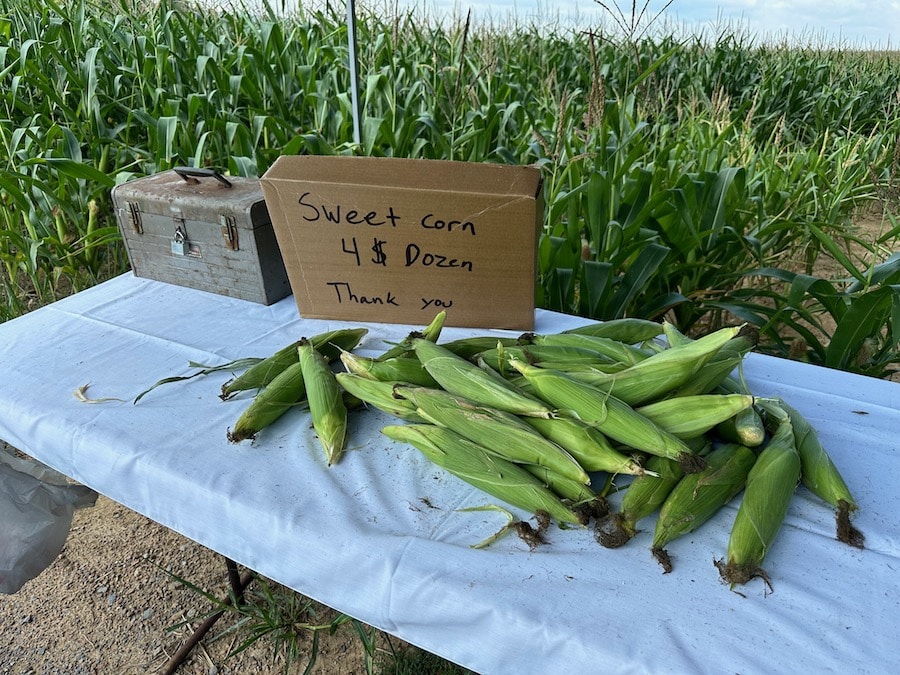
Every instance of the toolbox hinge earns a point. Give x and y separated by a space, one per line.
134 214
229 232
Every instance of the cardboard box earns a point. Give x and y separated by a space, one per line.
397 240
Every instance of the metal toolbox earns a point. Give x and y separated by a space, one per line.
197 228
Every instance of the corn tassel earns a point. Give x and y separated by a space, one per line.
692 416
459 376
614 418
698 497
502 433
482 469
280 395
767 495
259 375
326 404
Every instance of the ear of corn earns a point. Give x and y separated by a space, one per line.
280 395
497 357
468 347
378 394
611 349
614 418
722 363
565 488
746 427
674 337
643 496
261 374
691 416
661 373
396 369
629 330
820 476
459 376
331 343
474 464
500 432
326 404
770 485
698 497
586 444
431 332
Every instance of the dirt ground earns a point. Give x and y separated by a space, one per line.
106 606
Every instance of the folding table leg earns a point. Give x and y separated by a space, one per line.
238 583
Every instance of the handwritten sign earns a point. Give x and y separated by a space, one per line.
397 240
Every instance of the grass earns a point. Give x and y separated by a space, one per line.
701 178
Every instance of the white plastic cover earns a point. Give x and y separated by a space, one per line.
380 535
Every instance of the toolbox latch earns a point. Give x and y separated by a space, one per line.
134 215
229 232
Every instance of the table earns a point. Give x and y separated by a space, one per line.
380 537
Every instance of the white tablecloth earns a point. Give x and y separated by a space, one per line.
379 535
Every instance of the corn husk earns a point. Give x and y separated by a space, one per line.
698 497
484 470
326 403
770 485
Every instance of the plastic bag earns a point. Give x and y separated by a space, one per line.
36 507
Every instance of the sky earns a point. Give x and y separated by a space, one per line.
871 24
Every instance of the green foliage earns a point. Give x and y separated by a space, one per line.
674 167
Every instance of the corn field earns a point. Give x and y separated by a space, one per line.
702 180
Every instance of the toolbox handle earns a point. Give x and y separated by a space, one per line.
190 175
